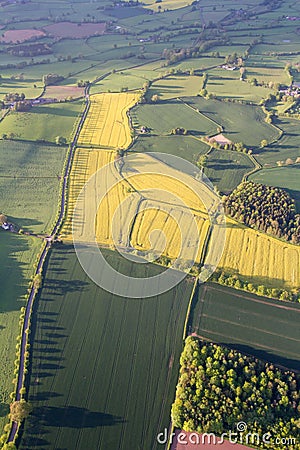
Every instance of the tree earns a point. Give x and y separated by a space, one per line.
20 410
154 98
3 219
37 281
60 140
263 143
202 162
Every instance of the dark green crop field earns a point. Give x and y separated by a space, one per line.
265 328
105 367
226 169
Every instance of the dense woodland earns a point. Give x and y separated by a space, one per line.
219 387
265 208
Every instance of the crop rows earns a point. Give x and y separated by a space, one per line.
107 124
260 257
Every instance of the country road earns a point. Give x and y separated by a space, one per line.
41 261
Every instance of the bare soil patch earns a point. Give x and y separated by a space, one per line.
19 36
220 139
63 92
75 30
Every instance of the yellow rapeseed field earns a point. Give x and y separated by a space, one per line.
168 4
107 123
125 217
148 195
260 258
173 224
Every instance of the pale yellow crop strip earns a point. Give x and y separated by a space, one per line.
253 255
258 257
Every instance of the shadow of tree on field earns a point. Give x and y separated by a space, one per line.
72 417
264 355
43 396
62 287
4 409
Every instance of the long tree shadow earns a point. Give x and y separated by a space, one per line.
13 267
264 355
74 417
4 409
62 287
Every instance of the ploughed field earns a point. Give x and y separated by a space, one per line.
267 329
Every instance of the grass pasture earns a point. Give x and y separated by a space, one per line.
107 123
264 328
235 118
116 82
260 258
84 338
162 117
25 86
17 254
43 122
284 177
186 147
176 86
29 188
226 169
226 84
29 183
268 74
286 147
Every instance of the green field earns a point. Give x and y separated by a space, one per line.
226 84
104 368
284 177
29 189
176 86
226 169
242 123
29 183
102 375
286 147
186 147
26 86
17 254
162 117
43 123
265 328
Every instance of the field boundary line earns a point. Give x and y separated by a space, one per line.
265 302
207 339
201 113
188 312
219 319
